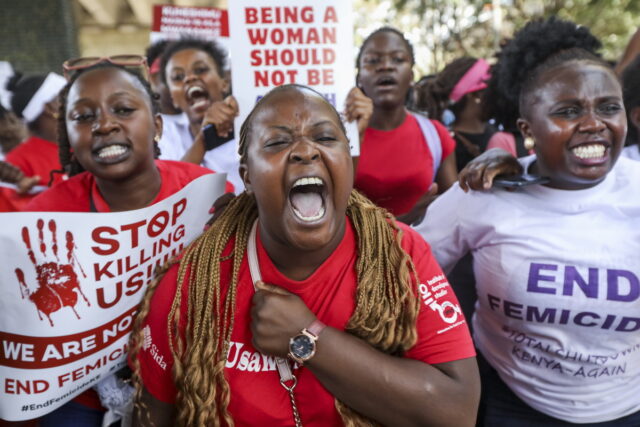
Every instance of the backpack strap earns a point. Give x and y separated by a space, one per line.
430 134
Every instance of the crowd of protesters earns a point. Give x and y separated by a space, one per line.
507 181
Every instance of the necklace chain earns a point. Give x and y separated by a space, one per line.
294 408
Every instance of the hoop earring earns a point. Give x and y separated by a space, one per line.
529 143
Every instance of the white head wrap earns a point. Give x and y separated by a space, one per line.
49 89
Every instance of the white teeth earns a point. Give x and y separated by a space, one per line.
592 151
319 215
111 151
309 180
194 89
312 180
200 104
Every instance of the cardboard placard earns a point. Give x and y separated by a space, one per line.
172 22
276 42
70 287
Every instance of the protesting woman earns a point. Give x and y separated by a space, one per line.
402 154
556 264
108 126
194 70
304 304
35 101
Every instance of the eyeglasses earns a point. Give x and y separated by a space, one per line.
136 62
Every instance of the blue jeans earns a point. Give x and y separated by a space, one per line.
73 414
500 407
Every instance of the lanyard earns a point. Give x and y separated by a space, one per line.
287 379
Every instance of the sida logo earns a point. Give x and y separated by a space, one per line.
148 345
448 311
58 284
146 340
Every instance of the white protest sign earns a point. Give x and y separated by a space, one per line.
69 290
172 22
276 42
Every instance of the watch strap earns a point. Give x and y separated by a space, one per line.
315 328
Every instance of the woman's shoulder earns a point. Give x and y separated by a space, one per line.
412 242
177 174
631 152
168 277
165 291
504 140
28 147
457 208
182 172
626 172
33 152
70 195
177 167
438 129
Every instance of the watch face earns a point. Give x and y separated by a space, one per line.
302 346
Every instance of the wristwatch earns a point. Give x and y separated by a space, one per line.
302 347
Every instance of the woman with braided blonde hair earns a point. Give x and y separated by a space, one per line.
304 304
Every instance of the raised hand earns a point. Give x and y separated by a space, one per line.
479 173
358 107
221 115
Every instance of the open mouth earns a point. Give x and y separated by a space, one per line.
386 81
112 153
307 198
197 97
590 152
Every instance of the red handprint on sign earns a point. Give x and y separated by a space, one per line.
58 284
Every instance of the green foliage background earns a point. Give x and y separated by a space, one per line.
442 30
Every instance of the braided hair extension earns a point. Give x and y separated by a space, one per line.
539 46
211 48
385 314
631 93
69 164
433 96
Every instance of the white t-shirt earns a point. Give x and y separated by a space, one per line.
176 137
631 152
176 140
558 282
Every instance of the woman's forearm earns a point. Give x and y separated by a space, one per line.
196 152
393 390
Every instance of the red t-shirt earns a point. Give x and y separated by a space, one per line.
257 398
396 167
75 194
35 156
